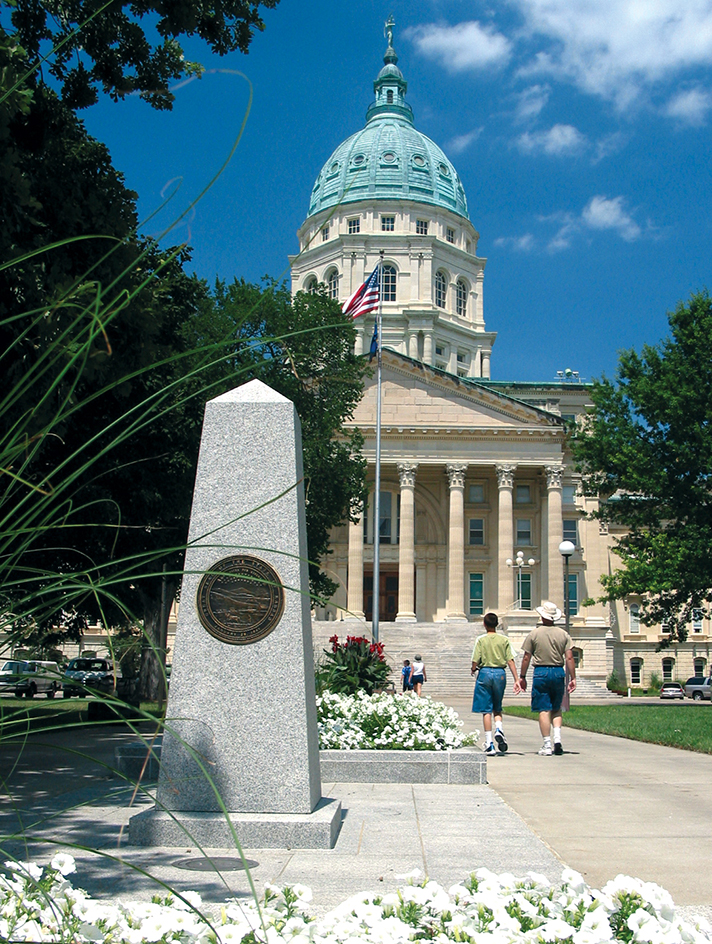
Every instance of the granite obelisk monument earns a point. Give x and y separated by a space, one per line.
241 733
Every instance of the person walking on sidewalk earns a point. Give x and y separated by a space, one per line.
550 647
418 675
491 654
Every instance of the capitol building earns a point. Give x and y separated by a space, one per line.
478 488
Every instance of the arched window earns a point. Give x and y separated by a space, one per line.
636 671
333 283
699 666
667 669
389 283
389 96
461 298
440 289
311 285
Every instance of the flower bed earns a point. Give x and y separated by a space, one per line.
42 905
385 722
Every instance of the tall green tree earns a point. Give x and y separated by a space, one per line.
97 44
646 449
303 348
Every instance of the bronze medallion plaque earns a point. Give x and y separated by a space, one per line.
241 600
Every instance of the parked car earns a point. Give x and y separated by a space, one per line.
85 676
698 687
672 690
30 678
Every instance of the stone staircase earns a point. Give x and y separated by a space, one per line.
446 649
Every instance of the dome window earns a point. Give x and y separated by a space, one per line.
461 298
389 96
444 170
450 235
389 157
333 283
421 227
359 159
334 169
388 224
440 289
419 160
354 226
389 283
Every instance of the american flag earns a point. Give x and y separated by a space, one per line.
365 298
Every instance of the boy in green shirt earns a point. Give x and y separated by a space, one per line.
492 653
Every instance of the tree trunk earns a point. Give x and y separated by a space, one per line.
156 610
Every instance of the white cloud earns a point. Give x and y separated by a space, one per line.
559 140
523 243
601 213
463 141
608 145
690 107
465 46
531 101
616 48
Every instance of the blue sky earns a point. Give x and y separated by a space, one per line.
580 129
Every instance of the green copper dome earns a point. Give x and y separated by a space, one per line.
389 159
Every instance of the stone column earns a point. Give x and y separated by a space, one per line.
554 474
406 546
505 536
413 345
428 348
486 364
358 343
456 543
354 589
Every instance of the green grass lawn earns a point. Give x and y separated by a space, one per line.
685 726
18 716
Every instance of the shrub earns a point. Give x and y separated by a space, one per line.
357 665
655 681
613 682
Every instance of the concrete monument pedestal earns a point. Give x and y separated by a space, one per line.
241 733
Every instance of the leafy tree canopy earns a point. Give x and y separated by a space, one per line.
647 451
303 348
128 46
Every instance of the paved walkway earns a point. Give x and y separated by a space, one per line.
607 806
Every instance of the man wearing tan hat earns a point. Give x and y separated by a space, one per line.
549 646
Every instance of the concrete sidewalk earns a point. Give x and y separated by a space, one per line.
607 806
611 805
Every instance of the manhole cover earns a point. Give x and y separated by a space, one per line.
214 864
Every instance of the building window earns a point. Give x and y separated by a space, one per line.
477 530
636 667
569 418
421 227
699 665
697 621
385 525
450 235
440 289
667 669
568 494
477 595
333 283
389 96
524 532
476 494
354 227
524 590
523 494
439 350
325 232
573 594
388 224
634 618
389 283
311 286
461 298
571 530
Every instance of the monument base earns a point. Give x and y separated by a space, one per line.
316 830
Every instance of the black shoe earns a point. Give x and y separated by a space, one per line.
501 741
558 749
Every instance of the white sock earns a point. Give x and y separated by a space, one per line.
547 742
557 735
499 728
488 738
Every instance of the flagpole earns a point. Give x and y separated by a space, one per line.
377 497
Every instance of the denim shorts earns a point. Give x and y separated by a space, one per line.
548 687
489 690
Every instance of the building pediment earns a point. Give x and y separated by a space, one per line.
421 400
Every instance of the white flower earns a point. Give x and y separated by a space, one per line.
63 863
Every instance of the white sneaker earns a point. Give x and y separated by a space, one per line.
545 750
490 749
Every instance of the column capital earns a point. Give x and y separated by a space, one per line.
505 475
554 475
456 475
406 474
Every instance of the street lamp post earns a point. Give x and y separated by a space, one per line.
519 562
566 549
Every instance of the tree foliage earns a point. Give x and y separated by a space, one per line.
303 348
95 44
647 451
